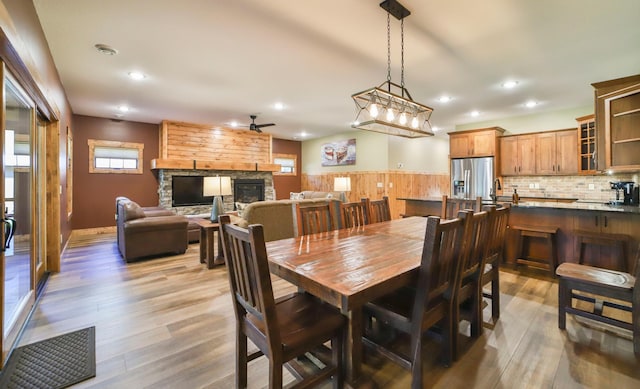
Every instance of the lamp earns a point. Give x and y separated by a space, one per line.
217 187
342 184
380 109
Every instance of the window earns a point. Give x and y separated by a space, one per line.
287 164
115 157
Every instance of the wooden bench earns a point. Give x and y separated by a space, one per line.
548 234
607 285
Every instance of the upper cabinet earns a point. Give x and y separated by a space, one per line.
475 143
517 155
618 113
556 152
587 144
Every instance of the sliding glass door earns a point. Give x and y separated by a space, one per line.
22 241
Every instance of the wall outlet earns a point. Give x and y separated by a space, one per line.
536 185
391 185
531 186
592 187
400 165
380 185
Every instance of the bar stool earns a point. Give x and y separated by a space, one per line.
618 241
548 234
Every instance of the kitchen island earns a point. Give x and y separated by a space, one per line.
568 217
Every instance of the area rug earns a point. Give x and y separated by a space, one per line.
57 362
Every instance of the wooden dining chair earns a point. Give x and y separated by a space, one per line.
498 222
313 219
414 310
284 330
468 295
379 210
354 214
451 206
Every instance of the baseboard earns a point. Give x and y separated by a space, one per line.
94 231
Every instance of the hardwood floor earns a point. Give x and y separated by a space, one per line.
169 323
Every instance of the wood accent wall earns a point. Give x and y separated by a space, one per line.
188 141
395 184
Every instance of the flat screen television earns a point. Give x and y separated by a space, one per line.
187 190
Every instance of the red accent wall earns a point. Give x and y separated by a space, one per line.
94 194
283 185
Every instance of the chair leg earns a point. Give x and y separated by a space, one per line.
495 294
241 359
416 366
564 298
275 372
476 312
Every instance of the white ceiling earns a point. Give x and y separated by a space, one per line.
215 61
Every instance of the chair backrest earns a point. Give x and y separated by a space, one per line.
498 222
475 243
379 210
354 214
439 266
451 206
246 256
313 219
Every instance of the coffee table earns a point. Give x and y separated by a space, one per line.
207 243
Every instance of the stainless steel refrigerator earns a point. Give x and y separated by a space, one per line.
472 177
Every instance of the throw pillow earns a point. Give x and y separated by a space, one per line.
296 196
240 207
133 211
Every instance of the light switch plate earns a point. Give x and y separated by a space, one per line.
380 185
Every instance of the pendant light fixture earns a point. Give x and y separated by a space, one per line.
389 108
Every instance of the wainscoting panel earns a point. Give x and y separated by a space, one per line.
375 185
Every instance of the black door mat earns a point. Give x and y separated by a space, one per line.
57 362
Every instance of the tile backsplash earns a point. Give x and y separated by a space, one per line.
596 188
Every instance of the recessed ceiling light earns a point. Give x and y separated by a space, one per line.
303 134
444 99
106 49
123 108
509 84
435 129
137 76
278 106
530 104
475 113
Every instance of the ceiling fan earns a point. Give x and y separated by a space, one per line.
257 127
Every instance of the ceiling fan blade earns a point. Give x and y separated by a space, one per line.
258 130
265 125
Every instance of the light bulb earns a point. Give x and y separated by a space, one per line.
373 110
414 122
403 118
390 114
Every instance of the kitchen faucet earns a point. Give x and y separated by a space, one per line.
496 187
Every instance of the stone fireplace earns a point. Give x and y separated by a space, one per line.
251 179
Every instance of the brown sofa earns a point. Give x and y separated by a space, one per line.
148 232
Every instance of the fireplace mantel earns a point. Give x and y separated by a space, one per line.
159 164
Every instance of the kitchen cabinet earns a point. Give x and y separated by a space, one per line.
517 155
475 143
556 152
618 114
606 223
587 144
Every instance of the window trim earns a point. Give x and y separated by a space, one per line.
294 157
93 143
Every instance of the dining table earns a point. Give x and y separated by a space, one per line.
349 267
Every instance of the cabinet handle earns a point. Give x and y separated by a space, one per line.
558 168
519 168
553 168
605 221
596 221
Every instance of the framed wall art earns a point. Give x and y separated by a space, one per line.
339 153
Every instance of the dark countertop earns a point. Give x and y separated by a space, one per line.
576 205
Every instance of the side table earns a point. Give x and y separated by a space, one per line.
207 243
